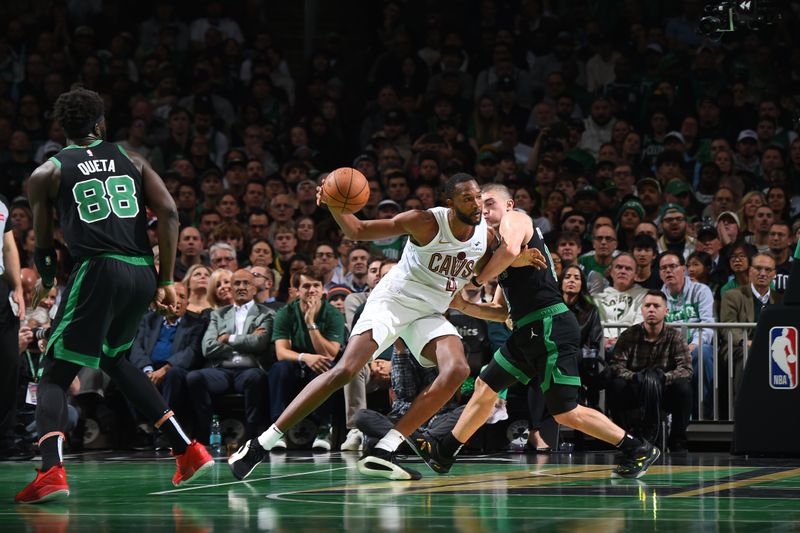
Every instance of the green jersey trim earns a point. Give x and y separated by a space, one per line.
77 146
55 161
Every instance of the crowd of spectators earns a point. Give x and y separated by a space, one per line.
650 157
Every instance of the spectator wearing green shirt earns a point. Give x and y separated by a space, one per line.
307 334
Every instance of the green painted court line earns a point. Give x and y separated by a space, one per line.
281 476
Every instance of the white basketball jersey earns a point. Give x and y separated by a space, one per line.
435 272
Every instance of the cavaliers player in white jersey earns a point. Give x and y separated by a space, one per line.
438 261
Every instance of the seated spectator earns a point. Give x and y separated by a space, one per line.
739 263
675 231
622 301
190 248
596 262
356 300
688 301
568 246
779 246
236 345
223 255
357 261
287 293
698 267
265 285
645 251
167 347
325 260
708 241
219 289
650 355
261 254
197 282
745 304
308 333
336 296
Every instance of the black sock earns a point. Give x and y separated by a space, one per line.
178 440
629 443
450 445
50 449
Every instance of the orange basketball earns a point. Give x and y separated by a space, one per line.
346 190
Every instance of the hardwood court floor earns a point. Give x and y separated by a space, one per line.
324 492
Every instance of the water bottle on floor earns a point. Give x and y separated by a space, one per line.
215 439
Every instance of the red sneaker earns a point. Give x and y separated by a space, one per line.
193 462
50 485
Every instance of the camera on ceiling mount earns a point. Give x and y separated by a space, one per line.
727 16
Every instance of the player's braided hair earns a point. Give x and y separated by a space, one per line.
78 111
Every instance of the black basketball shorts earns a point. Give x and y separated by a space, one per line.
101 308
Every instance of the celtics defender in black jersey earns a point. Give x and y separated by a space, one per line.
544 345
100 193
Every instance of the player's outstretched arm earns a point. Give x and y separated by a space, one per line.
420 225
515 231
496 310
413 223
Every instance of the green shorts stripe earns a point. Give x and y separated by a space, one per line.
138 260
540 314
552 372
74 357
113 352
509 367
69 310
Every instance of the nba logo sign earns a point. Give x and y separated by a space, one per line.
783 358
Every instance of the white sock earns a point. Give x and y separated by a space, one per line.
268 439
391 441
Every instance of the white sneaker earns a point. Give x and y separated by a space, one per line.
353 441
280 445
322 442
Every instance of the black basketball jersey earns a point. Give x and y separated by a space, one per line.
527 289
101 202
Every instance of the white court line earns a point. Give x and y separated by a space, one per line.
282 476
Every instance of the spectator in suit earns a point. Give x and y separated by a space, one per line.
167 347
745 304
236 345
308 333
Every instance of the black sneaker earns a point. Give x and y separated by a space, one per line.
428 450
635 465
246 459
380 463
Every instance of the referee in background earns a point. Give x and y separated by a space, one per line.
12 308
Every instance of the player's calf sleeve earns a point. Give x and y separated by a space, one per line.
51 409
141 392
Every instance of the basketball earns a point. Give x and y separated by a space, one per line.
346 190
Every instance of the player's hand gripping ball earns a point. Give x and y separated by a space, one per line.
345 190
